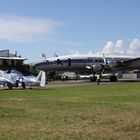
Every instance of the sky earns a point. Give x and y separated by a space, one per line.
64 27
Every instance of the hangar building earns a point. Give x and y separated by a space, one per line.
10 60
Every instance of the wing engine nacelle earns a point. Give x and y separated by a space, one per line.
97 67
112 63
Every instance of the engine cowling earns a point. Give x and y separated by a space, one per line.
97 67
112 63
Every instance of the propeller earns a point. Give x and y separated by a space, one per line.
105 65
98 67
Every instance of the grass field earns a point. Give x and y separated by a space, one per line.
105 112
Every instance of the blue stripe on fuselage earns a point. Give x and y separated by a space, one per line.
65 62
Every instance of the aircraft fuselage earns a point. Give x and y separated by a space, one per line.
78 63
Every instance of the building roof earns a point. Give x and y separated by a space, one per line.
13 58
6 55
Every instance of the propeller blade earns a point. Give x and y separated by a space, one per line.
105 61
103 70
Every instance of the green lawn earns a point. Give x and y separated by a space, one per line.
105 112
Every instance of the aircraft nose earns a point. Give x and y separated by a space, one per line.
38 66
34 67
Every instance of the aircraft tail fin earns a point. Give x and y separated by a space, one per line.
42 78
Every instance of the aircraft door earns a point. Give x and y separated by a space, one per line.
69 62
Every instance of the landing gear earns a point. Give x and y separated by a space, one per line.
9 85
93 79
23 85
17 83
113 78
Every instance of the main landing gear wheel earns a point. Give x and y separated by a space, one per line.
23 85
93 79
9 85
113 79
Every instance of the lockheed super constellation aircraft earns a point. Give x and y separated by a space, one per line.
89 64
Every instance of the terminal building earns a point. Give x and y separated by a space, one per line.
10 60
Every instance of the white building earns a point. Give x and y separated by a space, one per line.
10 60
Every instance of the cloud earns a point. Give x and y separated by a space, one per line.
73 51
134 48
118 48
23 29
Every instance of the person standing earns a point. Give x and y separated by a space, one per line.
98 79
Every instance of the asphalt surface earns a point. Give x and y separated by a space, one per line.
53 84
71 83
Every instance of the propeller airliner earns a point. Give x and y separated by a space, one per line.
90 64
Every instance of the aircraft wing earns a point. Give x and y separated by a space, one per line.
3 81
131 64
